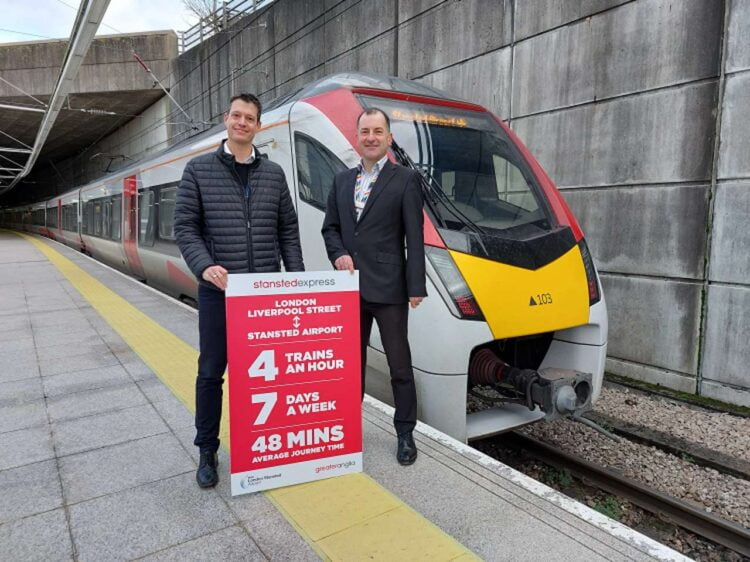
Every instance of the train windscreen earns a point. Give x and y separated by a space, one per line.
486 183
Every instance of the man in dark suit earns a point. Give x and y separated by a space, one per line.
372 209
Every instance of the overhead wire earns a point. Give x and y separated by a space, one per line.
32 34
198 98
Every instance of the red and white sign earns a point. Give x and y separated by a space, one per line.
294 378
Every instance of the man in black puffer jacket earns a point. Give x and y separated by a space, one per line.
234 214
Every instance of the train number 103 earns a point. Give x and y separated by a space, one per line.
540 299
544 298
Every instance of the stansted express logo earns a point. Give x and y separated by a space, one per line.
291 283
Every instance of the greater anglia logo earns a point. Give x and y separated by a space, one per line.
327 467
287 283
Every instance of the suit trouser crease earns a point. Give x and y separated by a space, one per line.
393 321
212 363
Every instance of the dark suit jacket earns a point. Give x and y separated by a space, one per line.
392 215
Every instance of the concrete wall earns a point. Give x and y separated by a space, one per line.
638 109
107 67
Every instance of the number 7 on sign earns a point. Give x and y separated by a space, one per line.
268 399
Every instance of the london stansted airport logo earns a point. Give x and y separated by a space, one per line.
251 481
292 283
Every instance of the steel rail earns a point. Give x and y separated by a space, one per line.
699 521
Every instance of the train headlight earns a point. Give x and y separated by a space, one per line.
453 288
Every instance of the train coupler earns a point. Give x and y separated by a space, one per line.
557 392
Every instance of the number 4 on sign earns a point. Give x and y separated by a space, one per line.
264 366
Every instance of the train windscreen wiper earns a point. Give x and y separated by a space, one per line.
434 191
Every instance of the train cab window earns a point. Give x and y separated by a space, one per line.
484 177
511 186
146 218
167 198
316 167
115 230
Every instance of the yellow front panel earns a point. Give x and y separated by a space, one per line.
520 302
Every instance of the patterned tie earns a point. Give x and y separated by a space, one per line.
362 190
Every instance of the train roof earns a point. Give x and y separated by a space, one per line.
360 80
326 84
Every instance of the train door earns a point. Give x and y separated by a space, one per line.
130 225
320 151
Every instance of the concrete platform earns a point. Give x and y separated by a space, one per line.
98 463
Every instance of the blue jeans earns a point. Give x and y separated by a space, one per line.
212 362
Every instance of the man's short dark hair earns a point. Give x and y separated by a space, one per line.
375 111
247 98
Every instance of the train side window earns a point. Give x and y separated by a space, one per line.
98 218
167 198
52 217
115 232
146 218
316 167
106 217
85 211
90 216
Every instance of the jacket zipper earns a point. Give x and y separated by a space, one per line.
246 215
246 189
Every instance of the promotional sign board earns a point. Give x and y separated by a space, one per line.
294 378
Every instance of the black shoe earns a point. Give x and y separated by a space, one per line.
407 449
207 476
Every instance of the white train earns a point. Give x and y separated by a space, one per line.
515 300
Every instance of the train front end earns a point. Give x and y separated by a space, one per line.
516 323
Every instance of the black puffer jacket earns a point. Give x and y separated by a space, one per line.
216 225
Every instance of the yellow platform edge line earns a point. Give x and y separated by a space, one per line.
176 368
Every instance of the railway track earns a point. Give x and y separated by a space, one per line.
694 519
698 454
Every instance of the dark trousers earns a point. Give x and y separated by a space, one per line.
392 322
212 362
